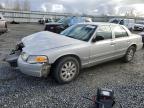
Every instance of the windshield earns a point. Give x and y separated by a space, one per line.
80 32
63 20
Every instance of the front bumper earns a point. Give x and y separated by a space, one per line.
14 54
12 58
37 70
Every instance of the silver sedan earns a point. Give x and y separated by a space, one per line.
79 46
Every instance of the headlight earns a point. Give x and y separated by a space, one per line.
37 59
34 58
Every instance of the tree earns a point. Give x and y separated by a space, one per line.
17 5
8 4
130 12
1 7
26 5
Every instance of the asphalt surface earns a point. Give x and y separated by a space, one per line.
21 91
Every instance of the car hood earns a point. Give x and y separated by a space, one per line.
45 40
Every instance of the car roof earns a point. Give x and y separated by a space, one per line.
98 23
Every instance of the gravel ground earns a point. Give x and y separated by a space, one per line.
21 91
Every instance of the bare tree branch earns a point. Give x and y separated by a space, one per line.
17 6
26 5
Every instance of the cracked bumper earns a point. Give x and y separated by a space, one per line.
37 70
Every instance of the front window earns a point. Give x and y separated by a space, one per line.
80 32
104 31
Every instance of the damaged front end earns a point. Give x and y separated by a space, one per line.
14 54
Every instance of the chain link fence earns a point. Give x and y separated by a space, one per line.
34 16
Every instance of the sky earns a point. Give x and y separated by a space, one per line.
94 7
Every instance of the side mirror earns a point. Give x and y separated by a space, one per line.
0 18
97 38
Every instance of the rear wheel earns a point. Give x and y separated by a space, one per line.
66 70
129 54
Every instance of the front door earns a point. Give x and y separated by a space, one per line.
103 49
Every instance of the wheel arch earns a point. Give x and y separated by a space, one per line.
134 45
68 55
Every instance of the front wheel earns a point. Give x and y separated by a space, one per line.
129 54
66 70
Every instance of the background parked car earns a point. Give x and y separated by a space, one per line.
45 20
3 24
129 23
142 34
139 27
64 23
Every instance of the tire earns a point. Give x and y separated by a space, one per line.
129 54
66 70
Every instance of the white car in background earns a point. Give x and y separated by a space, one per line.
129 23
139 27
3 24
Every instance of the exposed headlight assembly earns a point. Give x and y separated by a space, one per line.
24 56
37 59
34 58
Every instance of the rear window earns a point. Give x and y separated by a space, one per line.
119 31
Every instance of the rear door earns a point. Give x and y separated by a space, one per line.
121 40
